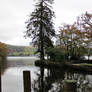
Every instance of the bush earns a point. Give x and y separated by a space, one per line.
3 50
56 54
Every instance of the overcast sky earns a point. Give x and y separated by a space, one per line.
14 13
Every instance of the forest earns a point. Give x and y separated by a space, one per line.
21 50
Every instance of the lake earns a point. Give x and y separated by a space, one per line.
43 80
12 78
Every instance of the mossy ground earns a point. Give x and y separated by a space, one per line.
83 64
70 81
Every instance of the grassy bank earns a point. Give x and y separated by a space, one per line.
80 67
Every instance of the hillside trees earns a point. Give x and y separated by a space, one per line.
21 50
40 26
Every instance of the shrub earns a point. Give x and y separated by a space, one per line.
56 54
3 50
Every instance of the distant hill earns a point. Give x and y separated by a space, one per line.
20 50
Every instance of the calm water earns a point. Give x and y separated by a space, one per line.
43 80
12 78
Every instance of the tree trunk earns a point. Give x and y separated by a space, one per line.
41 35
42 79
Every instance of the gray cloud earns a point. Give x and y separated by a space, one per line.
13 14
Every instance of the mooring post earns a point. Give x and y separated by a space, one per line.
0 82
27 81
70 86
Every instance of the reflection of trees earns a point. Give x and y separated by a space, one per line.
3 65
48 80
83 84
52 80
38 85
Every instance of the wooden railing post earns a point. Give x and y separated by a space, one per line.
70 86
27 81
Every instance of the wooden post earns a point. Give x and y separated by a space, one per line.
0 82
70 86
27 81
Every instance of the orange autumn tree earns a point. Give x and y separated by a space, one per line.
71 39
3 50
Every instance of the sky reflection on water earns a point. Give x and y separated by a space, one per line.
12 79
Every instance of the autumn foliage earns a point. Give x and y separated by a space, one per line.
3 50
77 38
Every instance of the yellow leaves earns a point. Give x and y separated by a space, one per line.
3 50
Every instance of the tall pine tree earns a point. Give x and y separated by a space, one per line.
40 25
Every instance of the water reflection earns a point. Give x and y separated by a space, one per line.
3 66
43 80
52 80
12 77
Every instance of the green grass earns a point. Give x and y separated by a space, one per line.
70 81
83 64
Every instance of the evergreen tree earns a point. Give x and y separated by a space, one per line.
40 25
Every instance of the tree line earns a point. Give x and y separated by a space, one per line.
21 50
